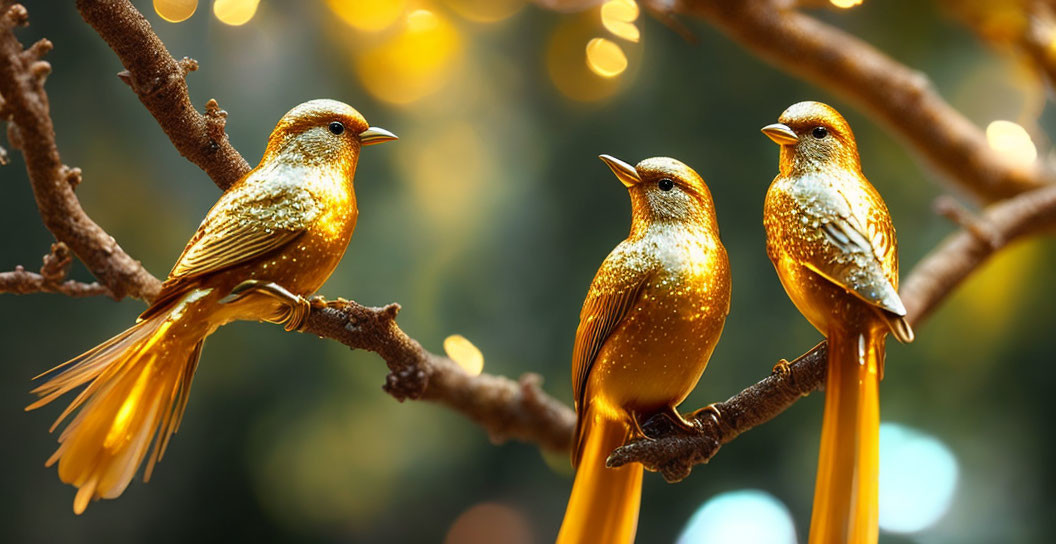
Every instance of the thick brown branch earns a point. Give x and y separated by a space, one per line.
674 452
505 408
899 97
159 81
22 75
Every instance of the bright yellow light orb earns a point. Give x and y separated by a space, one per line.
235 12
412 63
618 16
175 11
605 58
463 352
570 66
1012 142
370 15
846 3
485 11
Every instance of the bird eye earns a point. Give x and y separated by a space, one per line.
336 127
665 184
820 132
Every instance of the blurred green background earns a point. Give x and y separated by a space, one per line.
489 218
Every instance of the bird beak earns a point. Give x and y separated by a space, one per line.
780 134
375 135
625 172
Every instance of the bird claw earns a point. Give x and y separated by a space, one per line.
294 314
681 422
782 367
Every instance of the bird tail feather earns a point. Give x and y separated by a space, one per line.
604 503
845 493
136 389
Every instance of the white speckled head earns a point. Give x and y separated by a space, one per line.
665 189
812 136
322 130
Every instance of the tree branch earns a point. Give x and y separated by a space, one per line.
159 81
22 76
51 279
899 97
673 451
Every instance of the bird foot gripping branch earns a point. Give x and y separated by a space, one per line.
295 308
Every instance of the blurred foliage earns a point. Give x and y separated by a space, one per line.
488 218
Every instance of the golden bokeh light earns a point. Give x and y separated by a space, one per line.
605 58
846 3
449 165
618 16
463 352
370 15
175 11
1012 142
485 11
412 63
235 12
575 71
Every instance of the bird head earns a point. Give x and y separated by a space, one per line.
664 190
323 132
814 136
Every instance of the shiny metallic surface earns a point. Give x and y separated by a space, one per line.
780 134
649 324
832 241
376 135
829 233
285 224
626 173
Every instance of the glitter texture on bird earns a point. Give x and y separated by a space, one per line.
832 242
272 239
651 319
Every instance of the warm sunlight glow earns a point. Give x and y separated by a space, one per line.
567 64
175 11
1012 142
605 58
414 62
235 12
463 352
618 16
846 3
748 516
371 15
485 11
918 475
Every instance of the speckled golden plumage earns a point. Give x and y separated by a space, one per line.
832 241
651 319
284 227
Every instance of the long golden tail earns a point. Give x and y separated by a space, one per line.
137 383
604 502
845 494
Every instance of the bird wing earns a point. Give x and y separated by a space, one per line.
611 297
250 220
860 252
246 223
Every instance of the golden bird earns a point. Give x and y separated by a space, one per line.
832 241
273 238
651 319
